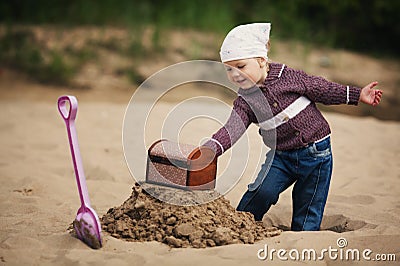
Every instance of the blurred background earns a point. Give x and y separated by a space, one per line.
102 50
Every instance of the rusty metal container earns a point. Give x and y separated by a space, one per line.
181 165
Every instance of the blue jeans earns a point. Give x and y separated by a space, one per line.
310 168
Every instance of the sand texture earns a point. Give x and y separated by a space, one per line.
39 198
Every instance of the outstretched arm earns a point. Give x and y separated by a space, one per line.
233 129
369 95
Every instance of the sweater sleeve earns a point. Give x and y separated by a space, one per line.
237 123
320 90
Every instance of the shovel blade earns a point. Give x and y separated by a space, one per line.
87 229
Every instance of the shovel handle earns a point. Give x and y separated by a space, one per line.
68 113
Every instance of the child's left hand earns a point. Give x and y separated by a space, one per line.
369 95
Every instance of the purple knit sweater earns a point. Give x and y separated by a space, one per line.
282 87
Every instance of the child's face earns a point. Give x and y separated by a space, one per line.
246 72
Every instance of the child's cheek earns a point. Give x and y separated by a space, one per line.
229 74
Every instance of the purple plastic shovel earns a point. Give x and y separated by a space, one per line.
86 224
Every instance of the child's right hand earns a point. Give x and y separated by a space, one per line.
370 96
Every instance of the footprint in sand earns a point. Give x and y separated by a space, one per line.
98 173
340 223
24 191
336 223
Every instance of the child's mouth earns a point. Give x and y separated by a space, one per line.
241 81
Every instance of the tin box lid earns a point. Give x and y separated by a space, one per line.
171 150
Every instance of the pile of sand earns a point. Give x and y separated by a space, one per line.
144 218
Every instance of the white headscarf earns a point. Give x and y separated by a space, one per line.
246 41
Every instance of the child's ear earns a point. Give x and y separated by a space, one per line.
262 62
268 45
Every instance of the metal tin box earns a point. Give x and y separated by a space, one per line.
181 165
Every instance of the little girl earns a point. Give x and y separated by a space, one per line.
282 100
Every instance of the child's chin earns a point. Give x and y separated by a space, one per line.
246 86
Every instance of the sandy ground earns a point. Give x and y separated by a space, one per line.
39 198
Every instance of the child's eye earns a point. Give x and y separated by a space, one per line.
228 69
241 66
